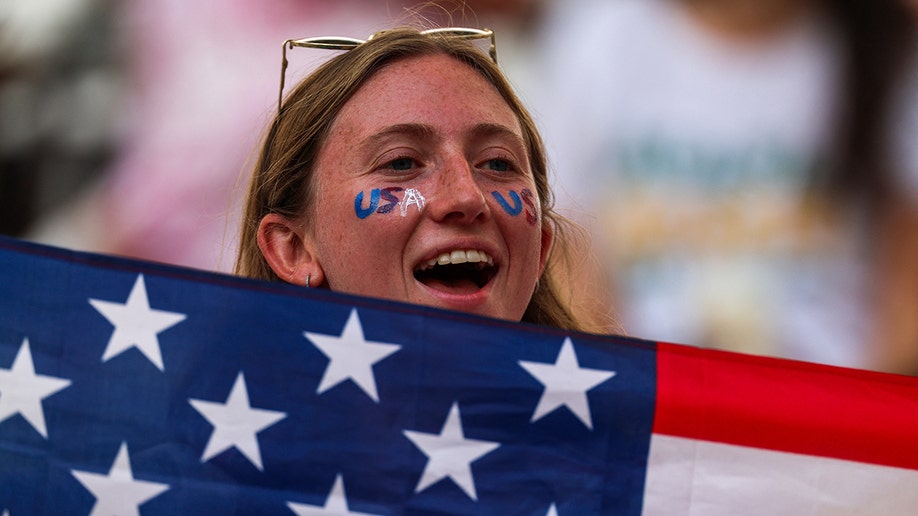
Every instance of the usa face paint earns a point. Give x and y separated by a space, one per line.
358 204
412 196
390 197
518 200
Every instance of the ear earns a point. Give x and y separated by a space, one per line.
289 250
548 237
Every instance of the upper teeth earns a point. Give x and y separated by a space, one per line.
461 256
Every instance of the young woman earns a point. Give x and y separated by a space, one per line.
407 169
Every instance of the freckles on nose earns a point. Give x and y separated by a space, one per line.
460 183
465 189
458 195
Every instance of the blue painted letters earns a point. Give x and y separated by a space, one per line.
527 197
512 210
358 204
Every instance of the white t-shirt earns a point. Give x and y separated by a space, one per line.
691 158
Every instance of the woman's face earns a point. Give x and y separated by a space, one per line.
424 194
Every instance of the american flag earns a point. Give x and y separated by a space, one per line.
129 387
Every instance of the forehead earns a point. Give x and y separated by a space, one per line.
435 90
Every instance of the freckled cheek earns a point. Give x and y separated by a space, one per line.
518 214
365 228
338 230
358 249
518 231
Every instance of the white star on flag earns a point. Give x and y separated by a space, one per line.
118 492
236 423
136 324
336 503
566 384
21 390
450 454
351 356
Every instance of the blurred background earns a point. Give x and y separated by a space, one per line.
748 169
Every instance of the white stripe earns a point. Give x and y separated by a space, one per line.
687 476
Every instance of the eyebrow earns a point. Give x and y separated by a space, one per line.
420 131
426 132
485 130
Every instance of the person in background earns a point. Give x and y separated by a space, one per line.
728 159
62 90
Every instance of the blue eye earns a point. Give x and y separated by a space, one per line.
402 164
498 165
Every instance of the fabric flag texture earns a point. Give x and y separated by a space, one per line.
136 388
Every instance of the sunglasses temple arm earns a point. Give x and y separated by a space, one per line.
280 94
493 49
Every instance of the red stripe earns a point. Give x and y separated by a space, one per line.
788 406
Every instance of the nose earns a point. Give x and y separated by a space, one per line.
459 196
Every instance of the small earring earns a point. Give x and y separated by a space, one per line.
308 277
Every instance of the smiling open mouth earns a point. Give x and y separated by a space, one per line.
459 272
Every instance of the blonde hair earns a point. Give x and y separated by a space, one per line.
282 180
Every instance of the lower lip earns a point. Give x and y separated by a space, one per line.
462 302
